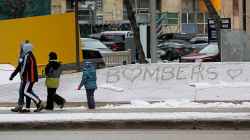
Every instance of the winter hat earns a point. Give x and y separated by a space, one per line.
52 56
26 47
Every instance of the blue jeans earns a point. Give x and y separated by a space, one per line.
90 98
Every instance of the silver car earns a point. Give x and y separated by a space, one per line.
93 50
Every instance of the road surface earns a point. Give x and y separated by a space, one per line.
125 135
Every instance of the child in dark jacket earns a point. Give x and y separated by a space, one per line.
53 71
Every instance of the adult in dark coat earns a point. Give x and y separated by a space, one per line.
27 68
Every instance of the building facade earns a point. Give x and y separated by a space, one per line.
248 16
112 11
179 15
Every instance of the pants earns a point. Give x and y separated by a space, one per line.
90 98
26 91
53 97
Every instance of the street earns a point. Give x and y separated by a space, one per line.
125 135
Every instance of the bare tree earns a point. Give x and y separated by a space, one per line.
135 28
17 7
214 15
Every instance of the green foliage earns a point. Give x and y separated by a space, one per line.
24 8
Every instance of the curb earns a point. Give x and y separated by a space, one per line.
98 104
131 124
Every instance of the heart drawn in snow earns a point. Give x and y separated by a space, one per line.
132 74
234 73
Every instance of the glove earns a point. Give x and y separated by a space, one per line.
11 78
78 88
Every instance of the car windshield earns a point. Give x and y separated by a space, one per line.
198 40
210 49
95 44
113 38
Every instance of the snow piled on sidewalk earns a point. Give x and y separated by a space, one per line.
5 72
76 117
177 104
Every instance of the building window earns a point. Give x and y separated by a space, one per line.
69 5
170 18
191 18
188 20
99 5
143 3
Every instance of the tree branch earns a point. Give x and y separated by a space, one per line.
135 28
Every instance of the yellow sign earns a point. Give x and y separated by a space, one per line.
46 33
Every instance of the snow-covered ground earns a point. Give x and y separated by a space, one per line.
152 82
75 117
143 87
5 72
176 104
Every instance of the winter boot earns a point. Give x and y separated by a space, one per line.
18 108
61 106
25 110
39 107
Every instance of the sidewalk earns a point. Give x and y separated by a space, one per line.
138 118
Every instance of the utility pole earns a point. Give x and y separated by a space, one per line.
136 7
77 35
153 41
244 15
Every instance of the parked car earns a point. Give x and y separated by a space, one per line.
95 36
94 50
115 40
174 49
179 36
208 54
199 42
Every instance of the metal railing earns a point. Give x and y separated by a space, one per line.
118 58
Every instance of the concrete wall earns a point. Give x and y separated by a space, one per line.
170 5
112 10
187 5
248 15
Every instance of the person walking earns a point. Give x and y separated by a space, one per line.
53 71
27 68
89 81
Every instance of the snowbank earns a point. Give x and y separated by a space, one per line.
176 104
5 72
151 82
62 117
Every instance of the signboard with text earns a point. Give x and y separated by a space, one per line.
212 34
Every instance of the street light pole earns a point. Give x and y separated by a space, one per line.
244 15
77 35
153 41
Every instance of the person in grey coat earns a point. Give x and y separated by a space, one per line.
89 82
